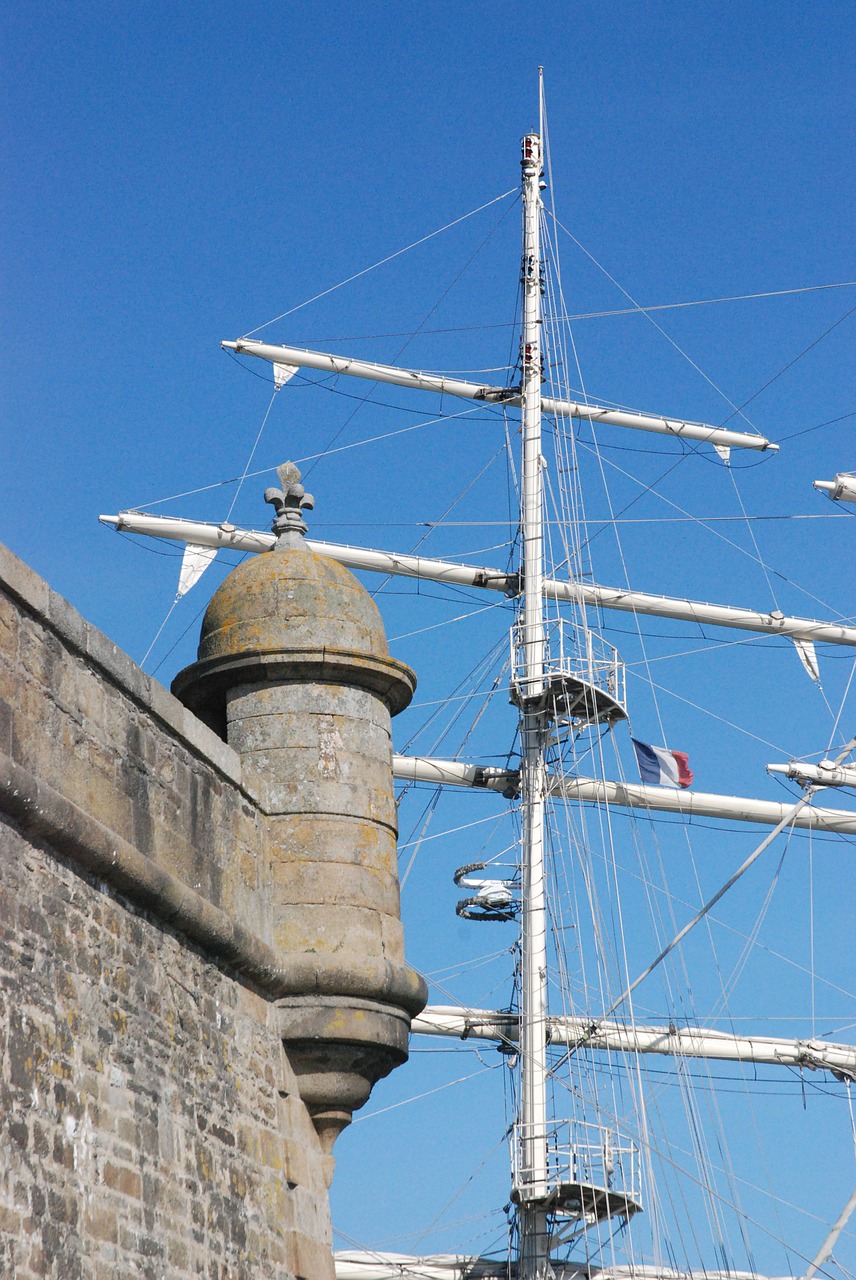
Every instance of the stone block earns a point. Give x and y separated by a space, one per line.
338 884
392 937
208 745
39 652
326 931
331 838
299 787
9 627
17 578
307 1259
11 1222
63 618
178 1253
302 698
116 664
307 729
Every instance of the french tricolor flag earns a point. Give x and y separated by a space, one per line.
659 765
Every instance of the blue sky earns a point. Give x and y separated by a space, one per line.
177 174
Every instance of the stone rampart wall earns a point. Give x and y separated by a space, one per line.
77 714
150 1124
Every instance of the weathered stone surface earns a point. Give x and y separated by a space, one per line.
116 744
151 1123
294 591
362 888
315 745
331 838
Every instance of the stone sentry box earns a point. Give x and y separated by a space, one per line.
295 673
202 972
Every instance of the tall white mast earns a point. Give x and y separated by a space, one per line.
531 1176
585 687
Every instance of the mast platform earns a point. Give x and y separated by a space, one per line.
582 680
570 698
581 1200
591 1174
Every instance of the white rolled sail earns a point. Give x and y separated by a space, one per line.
371 1265
701 804
681 1042
323 361
825 774
634 795
454 773
841 489
718 615
492 579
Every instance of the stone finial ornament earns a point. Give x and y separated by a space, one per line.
289 502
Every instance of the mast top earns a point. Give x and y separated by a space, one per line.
531 158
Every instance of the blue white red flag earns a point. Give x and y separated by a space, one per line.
659 765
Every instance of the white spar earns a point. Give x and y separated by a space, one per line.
496 395
492 579
200 532
718 615
683 1042
701 804
626 795
229 536
841 489
825 774
455 773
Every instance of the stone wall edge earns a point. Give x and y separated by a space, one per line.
55 612
42 812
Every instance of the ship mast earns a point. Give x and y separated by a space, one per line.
557 679
531 1144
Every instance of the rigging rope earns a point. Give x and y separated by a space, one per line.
245 472
701 522
790 364
382 261
593 315
720 893
659 328
312 457
448 1084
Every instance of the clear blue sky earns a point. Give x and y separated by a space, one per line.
176 174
